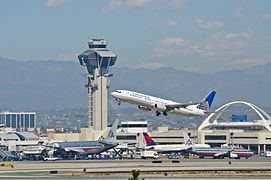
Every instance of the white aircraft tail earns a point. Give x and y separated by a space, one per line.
109 133
187 140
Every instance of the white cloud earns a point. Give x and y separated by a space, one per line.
177 45
66 57
172 41
223 41
172 23
177 4
266 16
137 3
209 24
249 62
246 35
207 54
112 6
224 44
161 52
162 24
220 45
115 5
152 65
53 3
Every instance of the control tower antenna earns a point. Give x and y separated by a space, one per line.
97 60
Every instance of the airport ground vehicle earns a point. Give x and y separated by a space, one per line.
147 155
267 154
50 158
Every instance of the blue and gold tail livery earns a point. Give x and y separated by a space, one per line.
210 98
148 140
208 102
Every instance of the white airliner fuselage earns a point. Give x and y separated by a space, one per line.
148 103
168 148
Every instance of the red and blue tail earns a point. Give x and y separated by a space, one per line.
187 140
148 140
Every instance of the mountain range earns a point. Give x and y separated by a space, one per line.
30 85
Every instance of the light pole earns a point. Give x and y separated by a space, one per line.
66 128
79 125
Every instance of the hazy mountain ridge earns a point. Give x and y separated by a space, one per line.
51 84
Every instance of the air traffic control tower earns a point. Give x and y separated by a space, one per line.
97 60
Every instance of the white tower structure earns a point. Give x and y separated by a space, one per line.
97 60
264 122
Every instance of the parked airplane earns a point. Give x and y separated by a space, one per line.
105 141
241 152
204 150
221 152
188 142
169 148
147 103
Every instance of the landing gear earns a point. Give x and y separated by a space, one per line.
158 113
118 101
165 113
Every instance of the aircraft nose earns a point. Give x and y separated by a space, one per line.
114 94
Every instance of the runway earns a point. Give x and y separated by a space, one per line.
121 169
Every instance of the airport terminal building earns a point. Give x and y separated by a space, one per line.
21 121
254 135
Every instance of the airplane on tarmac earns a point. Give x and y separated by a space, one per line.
105 141
204 150
169 148
147 103
221 152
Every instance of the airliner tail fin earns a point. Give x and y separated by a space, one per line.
206 105
149 140
187 140
109 133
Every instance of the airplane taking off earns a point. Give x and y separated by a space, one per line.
105 141
147 103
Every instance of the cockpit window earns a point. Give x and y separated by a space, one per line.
118 91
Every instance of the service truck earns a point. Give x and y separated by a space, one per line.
147 155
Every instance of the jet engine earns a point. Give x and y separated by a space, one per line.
160 107
142 108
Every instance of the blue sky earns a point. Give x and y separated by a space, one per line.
200 36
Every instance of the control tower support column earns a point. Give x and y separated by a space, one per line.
97 60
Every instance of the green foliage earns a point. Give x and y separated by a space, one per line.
135 174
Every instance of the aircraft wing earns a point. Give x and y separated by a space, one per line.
210 112
173 106
222 154
80 151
